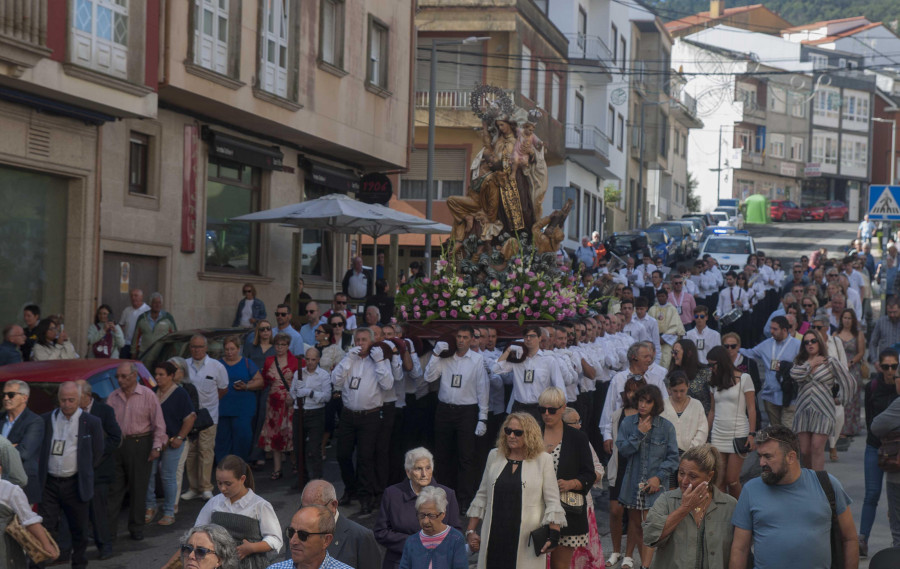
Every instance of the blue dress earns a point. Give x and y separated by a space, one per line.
234 434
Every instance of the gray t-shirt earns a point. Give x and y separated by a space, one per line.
791 523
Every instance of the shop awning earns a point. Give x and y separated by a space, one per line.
333 179
243 151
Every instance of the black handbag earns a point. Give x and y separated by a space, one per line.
741 446
538 538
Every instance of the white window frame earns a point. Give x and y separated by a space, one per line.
855 108
541 91
778 100
99 35
555 99
379 54
276 47
210 49
797 149
747 94
746 138
331 41
819 61
827 102
798 105
526 72
825 148
776 145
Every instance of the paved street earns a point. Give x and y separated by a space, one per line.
786 241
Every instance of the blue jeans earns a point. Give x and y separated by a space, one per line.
874 479
168 465
235 436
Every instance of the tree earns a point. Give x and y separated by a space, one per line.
693 200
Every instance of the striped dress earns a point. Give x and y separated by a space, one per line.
815 402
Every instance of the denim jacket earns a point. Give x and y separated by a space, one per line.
650 454
258 312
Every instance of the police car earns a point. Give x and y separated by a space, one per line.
729 247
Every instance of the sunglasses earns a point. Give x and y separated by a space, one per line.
572 422
550 410
340 302
516 432
321 332
301 534
199 552
10 394
818 327
282 313
763 436
730 346
246 290
699 316
338 324
265 328
807 305
810 342
430 516
889 366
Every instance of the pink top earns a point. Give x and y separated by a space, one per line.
432 541
140 413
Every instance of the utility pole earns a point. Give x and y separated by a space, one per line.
718 169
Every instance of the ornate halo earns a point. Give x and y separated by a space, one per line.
489 102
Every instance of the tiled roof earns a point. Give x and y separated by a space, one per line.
704 17
821 24
846 34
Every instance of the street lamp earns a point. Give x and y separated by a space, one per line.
432 88
893 146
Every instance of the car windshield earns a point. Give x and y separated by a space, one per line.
177 345
819 204
656 237
726 245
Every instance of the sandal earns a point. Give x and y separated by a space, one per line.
166 520
614 559
149 514
627 563
833 455
276 475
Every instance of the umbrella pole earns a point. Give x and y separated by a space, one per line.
296 248
374 264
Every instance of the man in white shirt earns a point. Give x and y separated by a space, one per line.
357 283
532 375
704 337
210 378
641 305
635 330
856 280
128 319
339 304
462 412
362 376
632 276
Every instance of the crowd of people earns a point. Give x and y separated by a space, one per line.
473 444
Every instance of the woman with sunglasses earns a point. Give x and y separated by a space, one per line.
732 344
816 374
518 495
616 468
650 444
575 475
853 341
810 305
330 354
208 547
250 309
248 520
733 417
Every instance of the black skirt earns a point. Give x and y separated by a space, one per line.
506 517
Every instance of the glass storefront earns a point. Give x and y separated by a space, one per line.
33 224
231 190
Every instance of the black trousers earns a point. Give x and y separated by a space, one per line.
61 498
314 427
418 423
488 441
454 449
585 407
133 477
358 431
298 437
593 428
383 446
397 453
99 518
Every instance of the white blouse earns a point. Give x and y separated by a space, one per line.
692 428
14 497
252 506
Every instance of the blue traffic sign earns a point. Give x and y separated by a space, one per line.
884 203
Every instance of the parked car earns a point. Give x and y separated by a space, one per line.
637 244
726 230
720 218
730 250
826 211
707 220
176 344
735 217
44 378
784 210
681 234
664 245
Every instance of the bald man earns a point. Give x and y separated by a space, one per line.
353 544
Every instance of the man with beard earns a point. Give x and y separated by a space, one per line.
769 508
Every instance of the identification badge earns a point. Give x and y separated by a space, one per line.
529 376
775 365
57 448
354 382
456 380
679 310
700 344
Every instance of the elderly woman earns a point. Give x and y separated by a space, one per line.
250 309
691 525
208 547
397 519
437 545
575 474
183 378
518 494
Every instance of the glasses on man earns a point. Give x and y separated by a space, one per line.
10 394
302 535
763 436
819 327
247 290
199 552
699 316
282 313
516 432
548 410
889 366
340 302
730 346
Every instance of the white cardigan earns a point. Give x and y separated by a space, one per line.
540 505
692 428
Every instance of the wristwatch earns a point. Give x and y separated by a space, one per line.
157 449
751 434
469 531
179 437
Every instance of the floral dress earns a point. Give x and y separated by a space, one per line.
852 415
277 430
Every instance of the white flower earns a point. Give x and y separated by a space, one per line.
467 309
454 303
461 292
491 301
496 294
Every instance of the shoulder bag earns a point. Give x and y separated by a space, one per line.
741 444
204 420
889 452
837 544
103 347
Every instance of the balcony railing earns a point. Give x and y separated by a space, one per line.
591 48
587 137
443 99
24 21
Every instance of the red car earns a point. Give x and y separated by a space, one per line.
826 211
784 210
44 378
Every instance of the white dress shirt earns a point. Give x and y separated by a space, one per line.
314 386
128 320
633 278
361 381
208 376
531 377
567 367
252 506
496 381
614 395
63 461
741 299
464 380
705 341
652 327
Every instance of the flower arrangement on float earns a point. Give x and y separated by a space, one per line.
509 291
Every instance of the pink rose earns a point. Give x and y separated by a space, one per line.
443 313
454 314
528 311
446 294
411 291
493 315
426 281
552 310
504 316
482 317
429 314
441 303
417 314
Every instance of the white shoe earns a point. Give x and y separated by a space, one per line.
207 495
189 495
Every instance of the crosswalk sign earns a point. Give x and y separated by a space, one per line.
884 203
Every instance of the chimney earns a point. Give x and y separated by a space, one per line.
716 8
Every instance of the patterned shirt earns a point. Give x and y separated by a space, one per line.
329 563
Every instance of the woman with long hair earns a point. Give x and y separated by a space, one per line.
330 353
105 337
615 469
278 373
817 373
799 317
52 342
686 359
854 341
686 415
257 350
734 416
810 305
